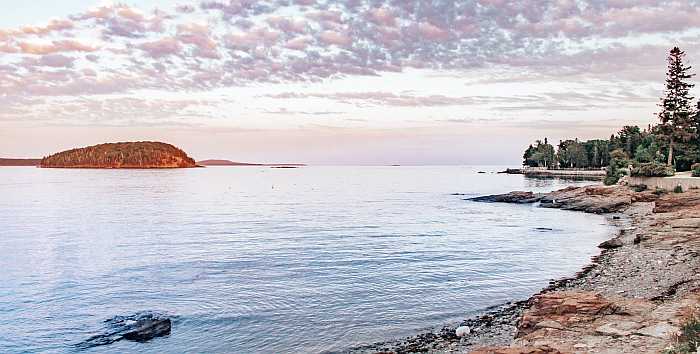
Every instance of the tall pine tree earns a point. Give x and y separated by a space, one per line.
677 115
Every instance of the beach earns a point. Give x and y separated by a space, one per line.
633 298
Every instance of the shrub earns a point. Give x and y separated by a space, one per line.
689 339
696 170
610 180
640 187
678 189
659 191
652 169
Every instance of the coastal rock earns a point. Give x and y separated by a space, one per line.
566 308
661 330
611 244
678 201
690 223
618 329
147 329
140 327
512 197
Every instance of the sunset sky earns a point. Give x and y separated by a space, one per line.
333 82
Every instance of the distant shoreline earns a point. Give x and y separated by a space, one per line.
594 175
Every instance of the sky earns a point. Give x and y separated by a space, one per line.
331 81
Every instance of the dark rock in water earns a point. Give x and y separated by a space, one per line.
149 329
512 197
140 327
481 172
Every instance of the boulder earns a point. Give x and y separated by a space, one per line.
611 244
147 329
140 327
567 308
517 197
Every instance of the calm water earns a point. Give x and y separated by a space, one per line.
260 260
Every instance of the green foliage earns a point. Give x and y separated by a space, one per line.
696 170
627 139
679 121
678 189
640 188
648 150
540 155
572 154
659 191
652 169
675 141
617 168
689 340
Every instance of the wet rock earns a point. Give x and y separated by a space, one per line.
140 327
512 197
148 329
611 244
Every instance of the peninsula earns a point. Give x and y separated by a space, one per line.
133 155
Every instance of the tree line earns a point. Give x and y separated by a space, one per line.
673 144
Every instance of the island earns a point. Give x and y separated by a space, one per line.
131 155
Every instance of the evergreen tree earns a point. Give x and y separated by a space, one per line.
677 117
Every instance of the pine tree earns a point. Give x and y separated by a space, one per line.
677 115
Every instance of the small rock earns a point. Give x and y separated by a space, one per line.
610 244
660 330
549 324
462 331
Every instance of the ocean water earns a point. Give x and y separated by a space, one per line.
262 260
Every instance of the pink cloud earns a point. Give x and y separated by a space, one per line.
332 37
57 61
161 48
55 47
432 32
382 16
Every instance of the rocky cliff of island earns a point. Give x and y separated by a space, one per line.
142 154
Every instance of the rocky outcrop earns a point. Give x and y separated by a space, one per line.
140 327
633 298
512 197
640 290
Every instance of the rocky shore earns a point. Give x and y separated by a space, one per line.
635 297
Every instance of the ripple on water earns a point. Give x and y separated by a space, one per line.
328 259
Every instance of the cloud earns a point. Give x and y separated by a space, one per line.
225 43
